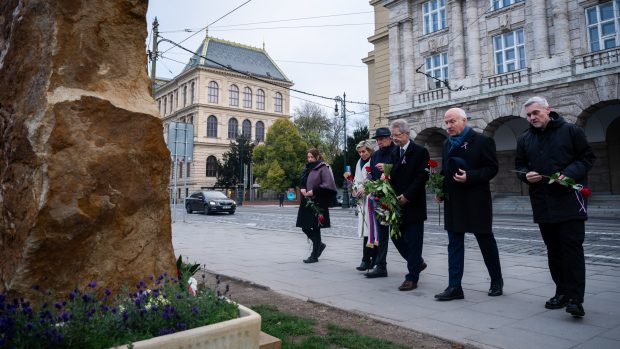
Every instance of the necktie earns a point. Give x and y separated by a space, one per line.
402 151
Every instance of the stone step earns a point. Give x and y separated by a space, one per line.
268 341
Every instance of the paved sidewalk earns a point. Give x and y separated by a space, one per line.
515 320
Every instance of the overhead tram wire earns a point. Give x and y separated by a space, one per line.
255 77
207 26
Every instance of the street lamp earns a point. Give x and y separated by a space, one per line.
343 101
240 183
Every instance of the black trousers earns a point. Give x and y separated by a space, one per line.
369 254
456 256
382 249
314 234
567 264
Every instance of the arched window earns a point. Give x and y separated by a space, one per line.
260 99
213 92
246 129
278 103
211 166
247 97
233 95
233 124
260 131
212 126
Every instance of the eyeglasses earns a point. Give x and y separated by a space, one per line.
534 113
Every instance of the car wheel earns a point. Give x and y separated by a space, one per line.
207 210
232 212
189 210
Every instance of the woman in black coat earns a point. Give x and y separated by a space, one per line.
318 191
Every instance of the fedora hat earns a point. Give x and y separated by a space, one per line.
382 132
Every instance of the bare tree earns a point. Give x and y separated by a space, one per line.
319 130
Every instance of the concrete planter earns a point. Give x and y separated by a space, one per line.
240 333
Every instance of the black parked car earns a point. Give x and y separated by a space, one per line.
209 202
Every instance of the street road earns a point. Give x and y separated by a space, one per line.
514 233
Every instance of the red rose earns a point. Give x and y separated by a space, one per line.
349 177
432 163
368 168
384 206
376 198
585 191
321 218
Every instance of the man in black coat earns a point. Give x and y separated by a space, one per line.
408 178
550 146
378 159
469 163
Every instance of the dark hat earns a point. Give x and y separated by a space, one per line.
382 132
454 163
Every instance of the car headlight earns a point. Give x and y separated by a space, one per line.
234 202
212 203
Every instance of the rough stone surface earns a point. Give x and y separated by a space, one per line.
83 164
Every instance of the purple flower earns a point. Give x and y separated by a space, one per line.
107 291
92 284
64 316
114 310
58 305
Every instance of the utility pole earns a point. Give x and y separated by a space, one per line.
153 54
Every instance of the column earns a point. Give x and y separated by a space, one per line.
473 40
395 68
457 59
408 75
561 28
539 29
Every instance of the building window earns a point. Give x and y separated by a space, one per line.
170 98
191 93
603 25
165 105
213 92
436 66
497 4
277 105
184 95
176 98
212 126
233 124
211 166
260 131
260 99
188 172
180 173
159 105
246 129
434 15
509 51
247 97
233 95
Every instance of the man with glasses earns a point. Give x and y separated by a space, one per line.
408 178
378 159
552 146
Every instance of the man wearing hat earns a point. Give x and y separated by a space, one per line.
380 157
469 164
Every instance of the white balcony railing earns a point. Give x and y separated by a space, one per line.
597 60
506 79
432 95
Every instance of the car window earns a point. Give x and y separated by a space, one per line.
216 195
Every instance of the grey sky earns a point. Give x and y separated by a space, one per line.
320 55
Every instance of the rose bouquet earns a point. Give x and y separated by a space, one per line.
435 180
387 208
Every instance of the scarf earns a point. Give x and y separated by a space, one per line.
363 162
457 141
304 175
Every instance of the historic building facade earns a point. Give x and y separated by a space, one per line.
489 56
215 95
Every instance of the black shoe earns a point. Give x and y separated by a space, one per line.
575 309
311 259
496 288
423 266
376 273
321 248
452 292
363 266
557 302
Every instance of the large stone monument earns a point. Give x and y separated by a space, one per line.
83 164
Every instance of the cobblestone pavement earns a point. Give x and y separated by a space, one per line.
514 233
